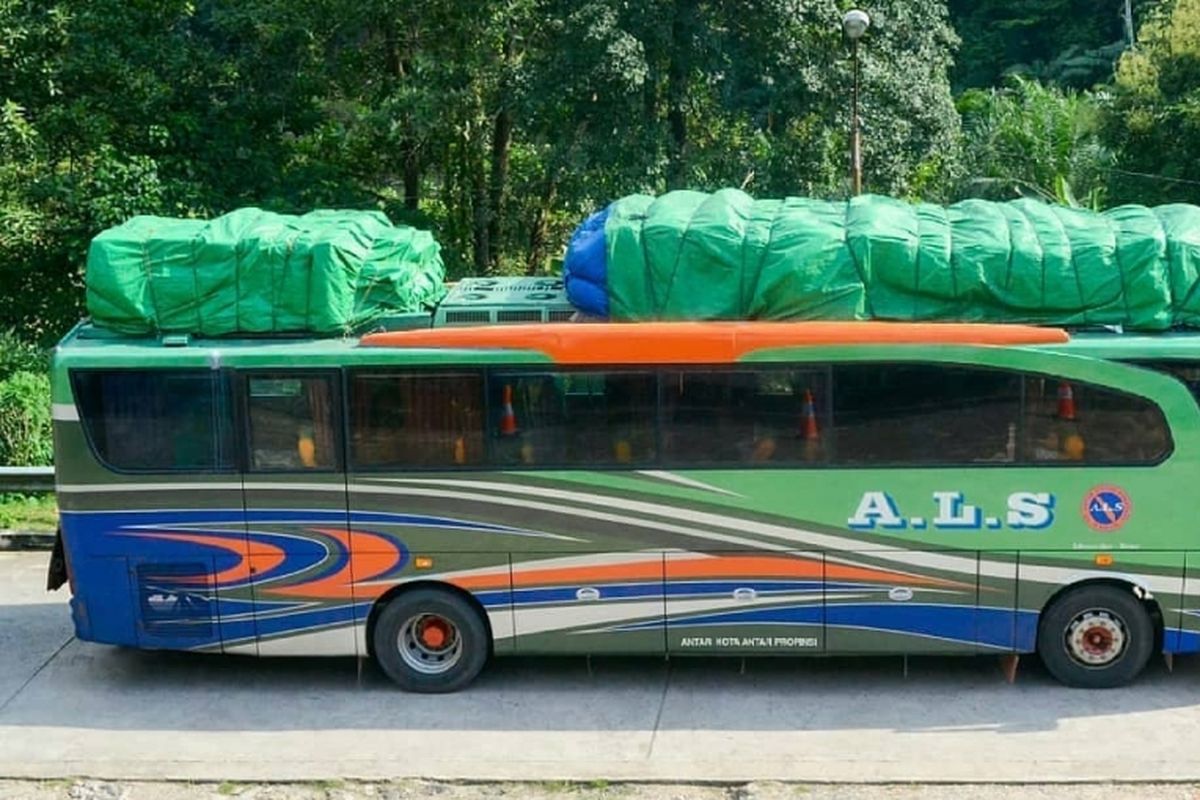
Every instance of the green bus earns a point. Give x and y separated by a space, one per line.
432 498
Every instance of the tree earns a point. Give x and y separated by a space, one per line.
113 109
706 93
497 125
1034 140
911 128
63 172
1154 120
1071 43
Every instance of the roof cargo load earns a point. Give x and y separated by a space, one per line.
256 272
691 255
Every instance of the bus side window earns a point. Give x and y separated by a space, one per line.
291 423
415 420
763 416
705 416
571 418
790 413
156 420
935 414
1069 421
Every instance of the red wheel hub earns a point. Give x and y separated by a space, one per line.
435 633
1098 640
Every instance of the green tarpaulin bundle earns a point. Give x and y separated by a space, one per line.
692 255
253 271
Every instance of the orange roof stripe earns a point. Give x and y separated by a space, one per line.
703 342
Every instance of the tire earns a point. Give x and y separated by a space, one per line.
430 641
1096 637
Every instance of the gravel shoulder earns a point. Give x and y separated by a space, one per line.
421 790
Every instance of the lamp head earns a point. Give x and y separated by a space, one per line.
855 24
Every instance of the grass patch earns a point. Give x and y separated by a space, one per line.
557 786
328 786
28 513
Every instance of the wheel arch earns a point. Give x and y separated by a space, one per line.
410 586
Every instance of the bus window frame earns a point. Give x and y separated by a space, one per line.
222 384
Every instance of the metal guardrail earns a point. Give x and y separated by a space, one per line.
26 479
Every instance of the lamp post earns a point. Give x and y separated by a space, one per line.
854 25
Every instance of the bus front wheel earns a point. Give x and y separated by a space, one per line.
1096 637
430 640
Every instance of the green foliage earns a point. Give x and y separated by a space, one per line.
497 125
25 421
500 125
1031 139
28 513
19 355
1072 43
911 131
25 424
1154 119
1077 66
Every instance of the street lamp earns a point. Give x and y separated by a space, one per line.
854 25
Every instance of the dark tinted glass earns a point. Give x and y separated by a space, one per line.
157 421
291 423
572 418
1068 421
745 416
416 420
898 414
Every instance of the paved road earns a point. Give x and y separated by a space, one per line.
71 708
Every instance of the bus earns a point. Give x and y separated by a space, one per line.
433 498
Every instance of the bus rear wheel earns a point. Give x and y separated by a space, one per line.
1096 637
430 640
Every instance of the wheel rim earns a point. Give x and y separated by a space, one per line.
1096 638
430 644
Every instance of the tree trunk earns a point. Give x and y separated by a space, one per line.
457 191
502 129
400 67
652 88
539 234
677 77
498 180
481 218
412 175
464 184
650 97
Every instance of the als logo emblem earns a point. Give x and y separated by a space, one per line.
1106 508
1024 511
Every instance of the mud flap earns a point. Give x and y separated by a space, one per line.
57 574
